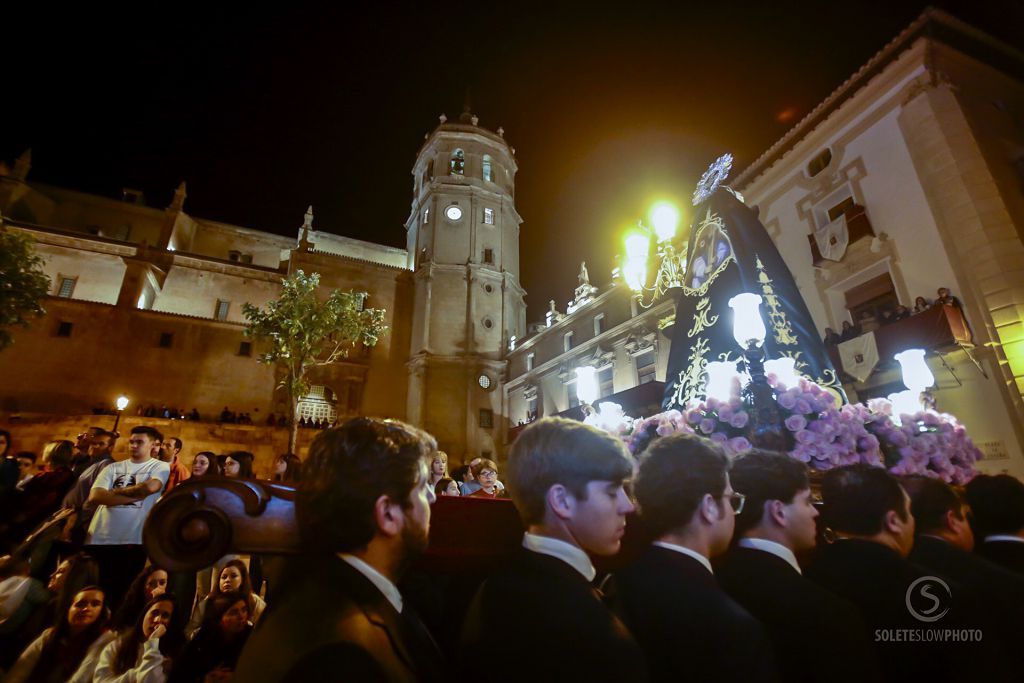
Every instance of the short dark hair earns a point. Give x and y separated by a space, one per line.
554 450
176 441
763 476
676 472
25 454
930 500
349 467
152 432
104 432
857 498
459 473
997 504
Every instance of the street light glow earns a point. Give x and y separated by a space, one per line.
122 402
635 269
665 217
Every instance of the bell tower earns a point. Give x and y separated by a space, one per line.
463 248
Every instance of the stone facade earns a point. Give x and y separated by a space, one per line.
927 139
148 303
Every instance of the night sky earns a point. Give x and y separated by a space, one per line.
609 107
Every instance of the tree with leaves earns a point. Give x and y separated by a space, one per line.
23 283
304 331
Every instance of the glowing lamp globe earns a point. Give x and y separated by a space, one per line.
665 218
635 269
905 403
747 325
784 370
721 378
916 374
121 402
586 384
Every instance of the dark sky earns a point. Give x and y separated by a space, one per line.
262 113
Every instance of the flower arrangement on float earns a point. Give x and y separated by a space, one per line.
818 432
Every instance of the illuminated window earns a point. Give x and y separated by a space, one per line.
457 165
426 215
487 168
530 357
489 216
67 287
221 312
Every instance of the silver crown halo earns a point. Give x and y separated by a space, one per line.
712 178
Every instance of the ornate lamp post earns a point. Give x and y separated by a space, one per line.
122 403
671 261
586 387
917 377
748 330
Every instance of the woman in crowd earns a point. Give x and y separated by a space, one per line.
447 487
69 578
287 469
5 442
238 465
439 468
69 651
144 653
233 578
921 305
218 642
205 465
150 583
486 473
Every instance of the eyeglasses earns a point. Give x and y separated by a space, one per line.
736 500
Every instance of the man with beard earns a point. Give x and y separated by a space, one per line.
101 454
336 613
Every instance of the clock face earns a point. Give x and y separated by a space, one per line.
453 213
485 382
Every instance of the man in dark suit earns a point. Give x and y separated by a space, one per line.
364 511
997 503
539 618
906 607
944 541
687 626
810 628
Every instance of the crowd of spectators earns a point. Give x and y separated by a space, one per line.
735 585
867 321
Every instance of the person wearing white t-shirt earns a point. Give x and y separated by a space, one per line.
123 495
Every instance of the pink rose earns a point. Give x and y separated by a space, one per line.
787 400
796 423
707 425
740 420
739 445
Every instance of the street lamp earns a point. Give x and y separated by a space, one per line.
586 385
671 263
122 403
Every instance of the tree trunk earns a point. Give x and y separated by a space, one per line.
293 424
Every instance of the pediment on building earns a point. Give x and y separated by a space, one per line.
640 340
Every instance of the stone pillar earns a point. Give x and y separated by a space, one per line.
976 228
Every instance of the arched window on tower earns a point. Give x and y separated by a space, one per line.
487 168
457 165
430 170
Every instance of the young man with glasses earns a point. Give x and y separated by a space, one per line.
762 574
687 626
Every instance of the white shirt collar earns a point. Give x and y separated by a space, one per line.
686 551
382 582
772 547
566 552
1004 537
